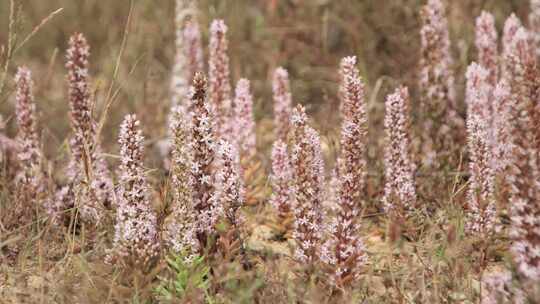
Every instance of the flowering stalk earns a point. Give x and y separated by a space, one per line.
136 239
244 122
27 137
524 176
203 155
230 188
399 187
87 170
534 23
30 179
220 87
511 25
437 84
230 193
180 229
282 103
281 179
486 45
345 249
501 125
480 196
189 54
308 181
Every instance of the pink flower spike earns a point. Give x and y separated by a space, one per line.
282 103
219 83
486 44
399 187
136 239
307 187
245 124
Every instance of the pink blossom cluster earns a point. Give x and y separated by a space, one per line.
189 54
534 24
282 103
136 239
497 288
480 196
486 44
244 122
219 83
179 230
399 187
436 82
344 249
501 124
87 169
525 192
203 149
511 25
307 187
31 176
281 179
230 189
282 171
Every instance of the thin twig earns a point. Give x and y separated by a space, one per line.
37 28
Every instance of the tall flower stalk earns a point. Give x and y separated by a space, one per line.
189 55
281 180
486 45
441 119
136 238
307 186
524 174
230 188
511 25
282 171
230 193
88 170
244 122
399 187
220 86
180 229
345 251
480 195
501 124
534 23
203 149
30 178
282 103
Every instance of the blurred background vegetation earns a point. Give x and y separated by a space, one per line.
308 37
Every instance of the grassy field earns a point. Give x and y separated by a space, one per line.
132 54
